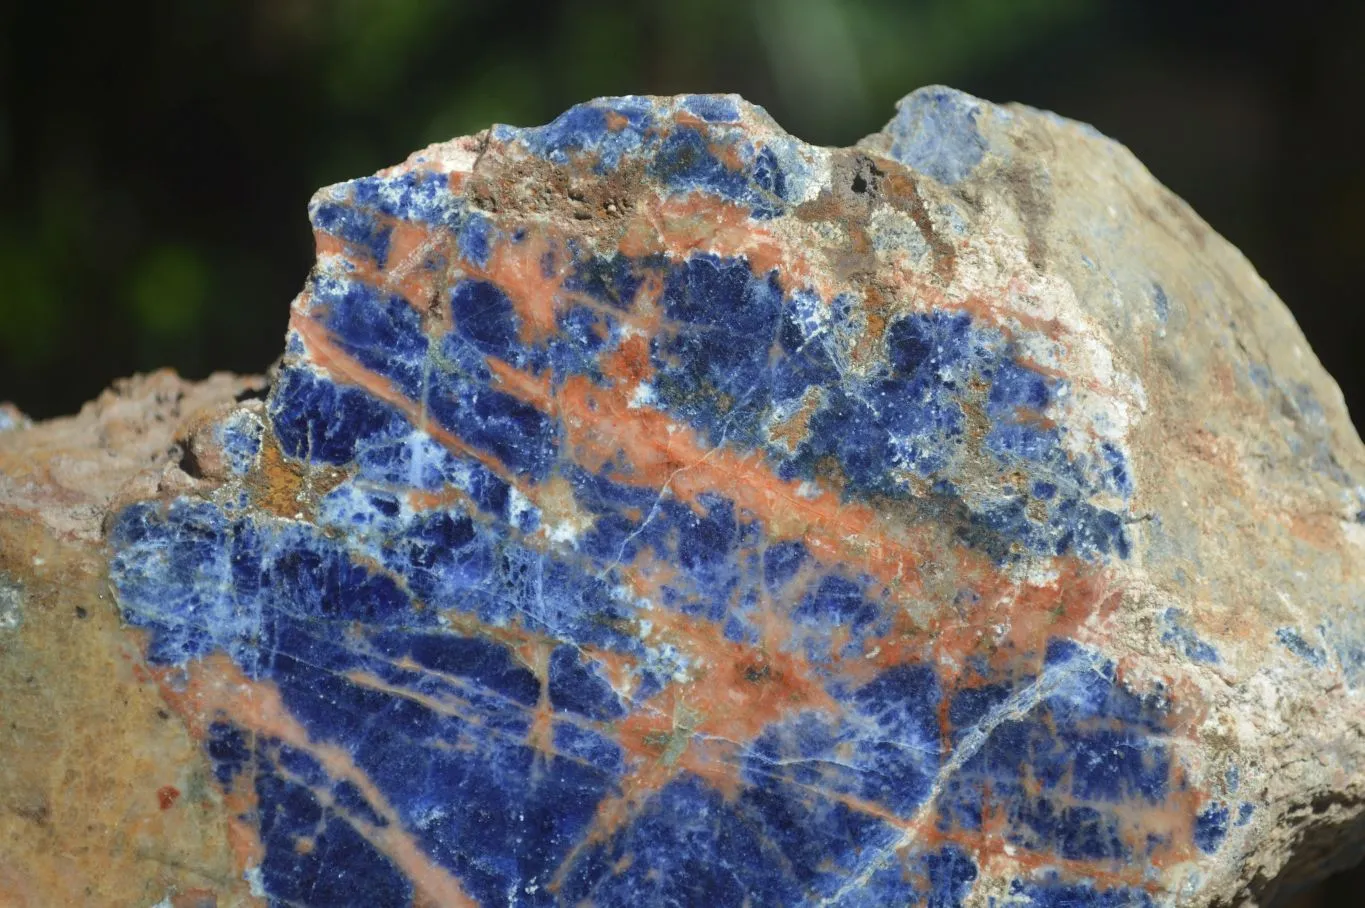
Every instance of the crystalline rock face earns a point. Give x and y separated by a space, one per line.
650 508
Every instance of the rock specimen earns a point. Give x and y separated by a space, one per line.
652 509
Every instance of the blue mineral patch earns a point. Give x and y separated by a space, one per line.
228 750
494 812
356 226
939 878
820 838
1056 893
836 602
1291 640
203 581
1260 377
483 316
1178 633
413 460
687 847
685 162
1345 634
610 128
381 331
911 417
887 750
314 854
935 132
1211 827
578 687
424 762
417 196
712 108
239 436
518 434
276 596
682 157
1160 303
474 238
611 280
781 561
319 421
691 847
1061 755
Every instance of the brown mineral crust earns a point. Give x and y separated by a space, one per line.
66 472
88 752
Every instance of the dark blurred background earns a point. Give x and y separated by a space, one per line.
156 156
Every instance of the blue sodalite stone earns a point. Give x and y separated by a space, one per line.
566 569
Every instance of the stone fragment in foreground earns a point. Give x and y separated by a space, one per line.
650 508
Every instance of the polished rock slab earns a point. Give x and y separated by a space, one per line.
650 508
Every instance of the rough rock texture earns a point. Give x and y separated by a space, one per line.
104 798
652 509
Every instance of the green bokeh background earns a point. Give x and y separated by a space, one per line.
156 158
